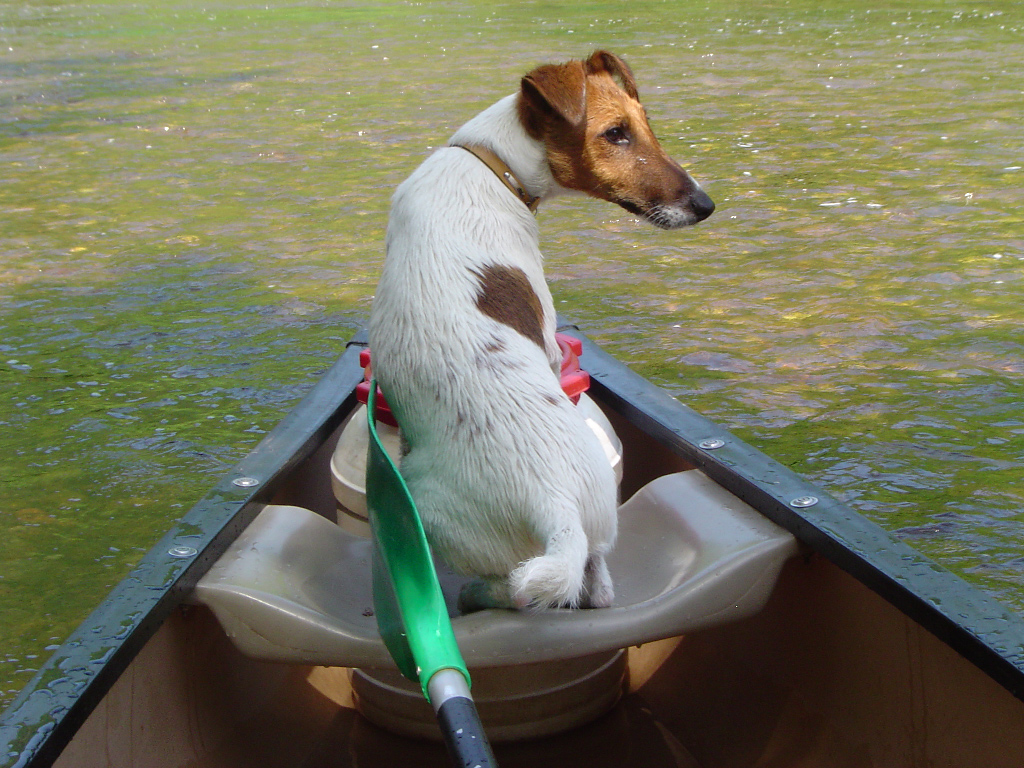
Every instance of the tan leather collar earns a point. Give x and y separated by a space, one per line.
503 172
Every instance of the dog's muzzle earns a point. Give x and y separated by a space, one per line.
683 212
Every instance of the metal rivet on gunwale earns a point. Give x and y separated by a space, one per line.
802 502
245 482
182 551
711 444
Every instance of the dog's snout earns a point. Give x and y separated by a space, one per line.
691 197
702 205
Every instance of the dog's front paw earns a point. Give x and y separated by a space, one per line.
600 597
598 589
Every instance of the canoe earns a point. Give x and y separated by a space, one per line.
758 622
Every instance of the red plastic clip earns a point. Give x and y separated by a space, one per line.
575 381
383 411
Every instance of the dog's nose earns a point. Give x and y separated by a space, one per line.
701 205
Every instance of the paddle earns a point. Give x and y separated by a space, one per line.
411 612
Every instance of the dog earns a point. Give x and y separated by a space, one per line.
512 486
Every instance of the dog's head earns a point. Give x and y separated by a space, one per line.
598 140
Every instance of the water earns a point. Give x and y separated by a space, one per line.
192 207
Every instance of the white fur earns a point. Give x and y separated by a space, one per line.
511 483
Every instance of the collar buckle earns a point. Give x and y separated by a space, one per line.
500 169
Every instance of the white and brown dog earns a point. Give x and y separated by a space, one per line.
511 484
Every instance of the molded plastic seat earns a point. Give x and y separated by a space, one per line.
295 587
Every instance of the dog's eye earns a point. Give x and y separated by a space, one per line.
617 135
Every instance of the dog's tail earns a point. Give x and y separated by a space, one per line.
556 578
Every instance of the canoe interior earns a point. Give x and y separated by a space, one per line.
828 674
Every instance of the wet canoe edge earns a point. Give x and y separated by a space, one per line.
47 713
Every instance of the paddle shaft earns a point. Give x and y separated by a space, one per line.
459 722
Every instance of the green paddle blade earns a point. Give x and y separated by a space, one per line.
411 612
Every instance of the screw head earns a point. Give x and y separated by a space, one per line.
711 443
245 482
182 551
802 502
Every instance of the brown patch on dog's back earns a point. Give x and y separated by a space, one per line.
507 296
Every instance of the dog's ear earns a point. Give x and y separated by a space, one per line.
602 61
555 90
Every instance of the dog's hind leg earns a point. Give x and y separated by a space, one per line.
556 577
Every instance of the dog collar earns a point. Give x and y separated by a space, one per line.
503 172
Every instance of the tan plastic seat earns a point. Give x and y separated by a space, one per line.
296 587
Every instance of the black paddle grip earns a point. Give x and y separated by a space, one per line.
464 735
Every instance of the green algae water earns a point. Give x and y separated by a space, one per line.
193 199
